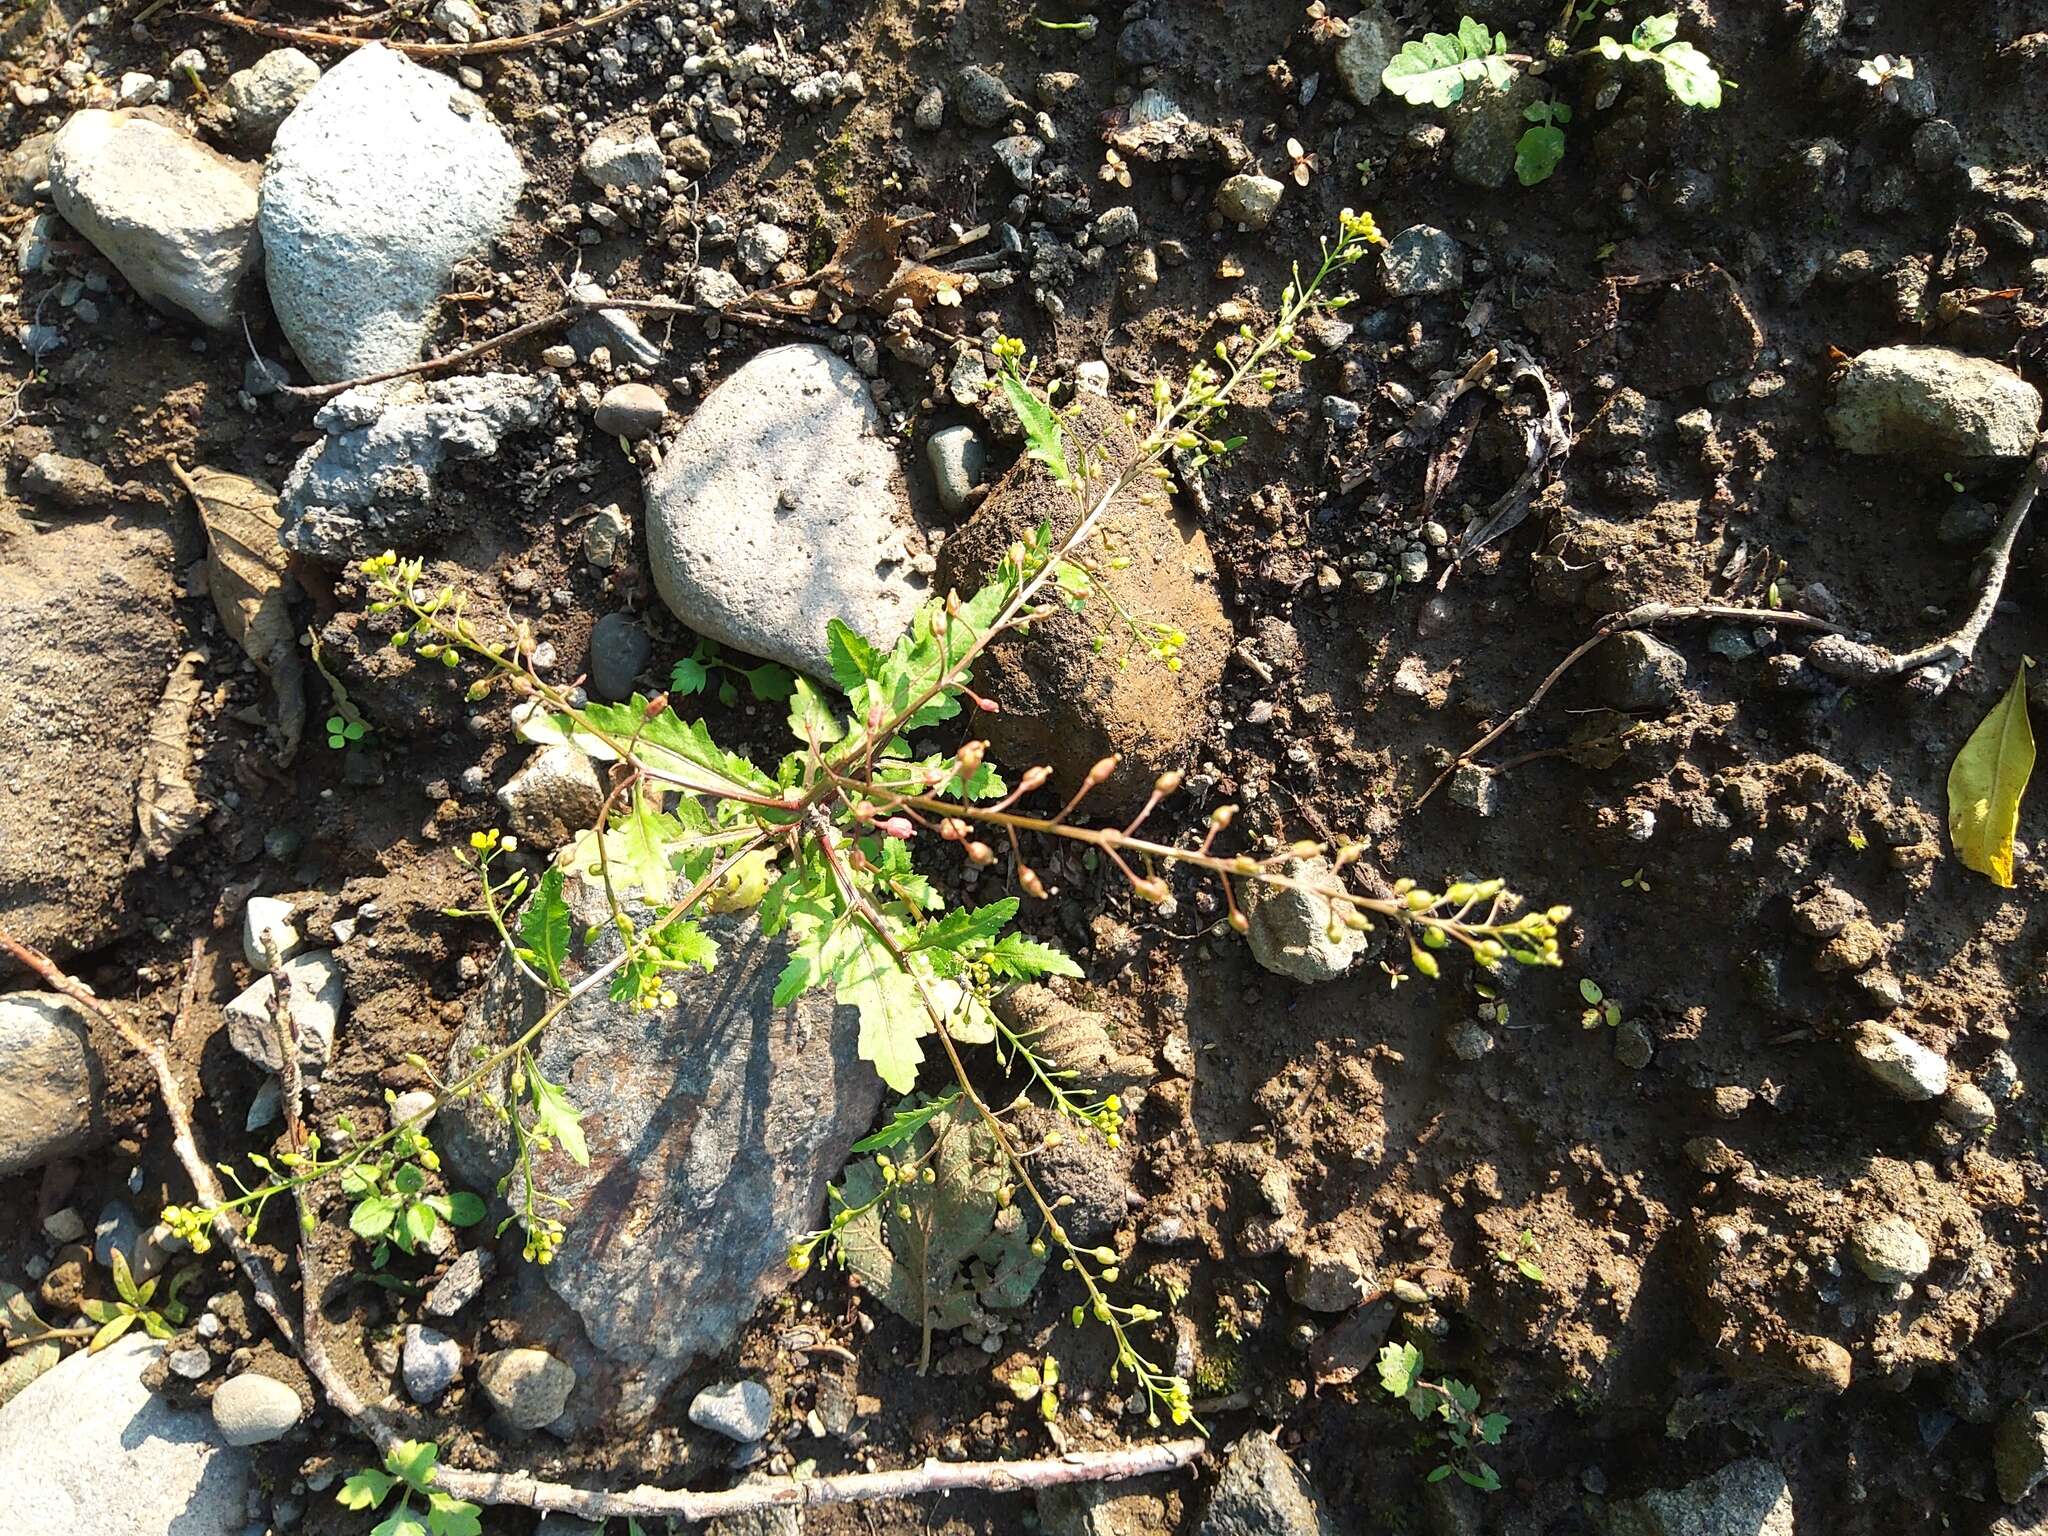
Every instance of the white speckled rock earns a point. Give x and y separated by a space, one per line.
1890 1250
1290 930
175 218
529 1387
1917 401
382 179
316 998
739 1410
88 1447
1902 1064
780 507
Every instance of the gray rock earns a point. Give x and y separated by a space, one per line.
1476 788
75 483
263 95
1904 1066
253 1409
530 1387
631 411
608 538
1290 930
555 796
191 1363
739 1410
2019 1452
713 1127
619 651
710 285
1929 401
1117 226
267 926
1018 154
1485 126
369 484
382 179
1635 671
316 997
116 1231
1633 1046
929 116
613 329
49 1081
1890 1250
1329 1278
762 248
177 219
1744 1498
431 1363
26 167
959 464
1967 1107
1261 1492
1422 260
1249 199
412 1105
779 507
1364 55
461 1285
624 155
88 1447
1937 145
984 99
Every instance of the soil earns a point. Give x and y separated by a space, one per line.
1644 1266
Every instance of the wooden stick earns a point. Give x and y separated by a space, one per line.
522 1489
489 45
1641 617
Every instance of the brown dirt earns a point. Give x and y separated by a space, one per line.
1684 1220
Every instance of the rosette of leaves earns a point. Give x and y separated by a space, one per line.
934 1236
1432 71
1688 74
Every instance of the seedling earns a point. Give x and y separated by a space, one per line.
392 1204
1520 1257
1040 1383
409 1468
1600 1008
1465 1429
768 681
1435 70
133 1306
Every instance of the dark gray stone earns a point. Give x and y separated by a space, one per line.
1420 261
49 1081
1634 671
619 649
1744 1498
1262 1493
713 1127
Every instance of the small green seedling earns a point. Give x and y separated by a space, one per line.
1465 1428
117 1317
1519 1257
1636 882
695 673
409 1468
1040 1382
392 1205
1600 1008
1434 71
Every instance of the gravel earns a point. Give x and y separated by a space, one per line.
1290 929
1249 199
252 1409
262 96
529 1387
959 463
739 1410
553 797
431 1363
631 411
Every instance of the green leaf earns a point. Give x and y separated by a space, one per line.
448 1516
400 1522
544 925
1020 959
1655 31
1399 1365
964 925
1986 782
854 661
1481 1476
770 682
464 1209
1045 438
892 1014
1464 1396
906 1124
1538 152
688 676
113 1330
100 1311
811 719
412 1461
124 1280
372 1218
359 1180
416 1225
1438 1473
365 1489
1492 1427
408 1180
1691 76
1432 71
684 945
555 1116
669 748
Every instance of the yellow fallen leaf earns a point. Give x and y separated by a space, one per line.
1985 784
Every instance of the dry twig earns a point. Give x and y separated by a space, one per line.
319 39
518 1488
1644 616
1931 668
